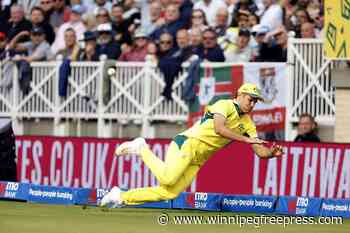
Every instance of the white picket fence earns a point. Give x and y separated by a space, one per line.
132 93
310 88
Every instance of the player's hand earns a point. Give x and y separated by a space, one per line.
276 150
255 141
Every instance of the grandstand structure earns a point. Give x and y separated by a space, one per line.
135 95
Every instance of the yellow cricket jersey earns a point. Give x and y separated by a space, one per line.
203 129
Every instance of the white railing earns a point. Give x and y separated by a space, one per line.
132 93
309 83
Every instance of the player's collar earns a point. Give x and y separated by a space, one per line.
238 108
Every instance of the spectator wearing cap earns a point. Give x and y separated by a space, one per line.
138 51
243 52
221 21
210 7
172 23
37 48
71 49
272 15
37 18
247 6
60 14
18 23
75 22
106 44
89 52
210 50
274 47
120 26
48 7
258 32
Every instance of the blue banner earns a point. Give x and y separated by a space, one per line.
335 207
51 195
248 203
303 206
198 200
158 204
14 190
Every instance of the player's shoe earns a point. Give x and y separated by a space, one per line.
133 147
113 197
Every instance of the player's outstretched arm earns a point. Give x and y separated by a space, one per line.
265 152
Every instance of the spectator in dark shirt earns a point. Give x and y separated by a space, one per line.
2 45
37 18
4 16
120 26
89 52
106 44
184 50
307 129
274 48
18 23
210 50
185 8
173 22
48 8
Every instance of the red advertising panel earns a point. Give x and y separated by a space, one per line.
315 170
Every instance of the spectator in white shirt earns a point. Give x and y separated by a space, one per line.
94 5
75 23
272 15
243 52
210 7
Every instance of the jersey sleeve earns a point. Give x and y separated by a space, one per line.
222 107
251 130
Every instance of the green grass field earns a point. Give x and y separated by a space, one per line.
20 217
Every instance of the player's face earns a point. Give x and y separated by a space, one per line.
247 103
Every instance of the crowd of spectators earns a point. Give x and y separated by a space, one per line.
131 30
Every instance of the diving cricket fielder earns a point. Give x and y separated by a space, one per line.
224 121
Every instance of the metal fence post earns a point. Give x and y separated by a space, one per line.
103 129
